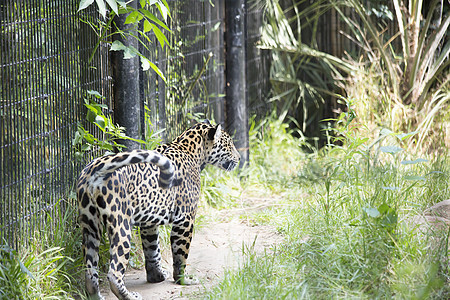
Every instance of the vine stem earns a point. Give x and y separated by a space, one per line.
108 25
191 87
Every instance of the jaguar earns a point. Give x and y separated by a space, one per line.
147 189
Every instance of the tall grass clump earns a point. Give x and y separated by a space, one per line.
400 76
346 222
48 265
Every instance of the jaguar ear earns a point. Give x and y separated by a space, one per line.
215 133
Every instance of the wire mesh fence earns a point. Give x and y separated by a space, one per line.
45 73
43 65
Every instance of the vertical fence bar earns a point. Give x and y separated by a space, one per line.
236 101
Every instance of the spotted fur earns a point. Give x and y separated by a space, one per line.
148 189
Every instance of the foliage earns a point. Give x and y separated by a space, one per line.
399 81
345 221
142 21
300 74
85 141
409 79
43 268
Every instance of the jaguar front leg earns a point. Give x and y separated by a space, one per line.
152 253
180 240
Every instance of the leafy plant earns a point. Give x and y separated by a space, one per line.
111 134
401 80
345 224
48 266
300 74
142 20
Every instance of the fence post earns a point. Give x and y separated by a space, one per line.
236 100
127 112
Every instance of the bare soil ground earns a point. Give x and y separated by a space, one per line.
215 248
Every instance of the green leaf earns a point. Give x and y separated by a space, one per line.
383 208
147 26
413 162
143 2
84 4
122 4
145 63
90 116
391 149
166 6
371 211
154 19
77 139
25 270
113 5
86 147
117 45
414 178
157 70
403 136
101 7
100 121
128 52
94 93
163 9
133 17
159 35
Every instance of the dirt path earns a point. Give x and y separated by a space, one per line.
215 247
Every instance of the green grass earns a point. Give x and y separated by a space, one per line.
342 213
344 221
49 265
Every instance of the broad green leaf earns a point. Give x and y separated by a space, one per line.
143 2
371 212
414 178
25 270
117 45
100 121
128 52
385 132
86 147
157 70
145 63
84 4
403 136
133 17
163 10
122 4
159 35
101 7
77 139
391 149
154 19
94 93
113 5
147 26
383 208
90 116
413 162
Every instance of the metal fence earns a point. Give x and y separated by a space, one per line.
44 69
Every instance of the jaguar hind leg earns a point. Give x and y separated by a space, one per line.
152 253
91 242
120 245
